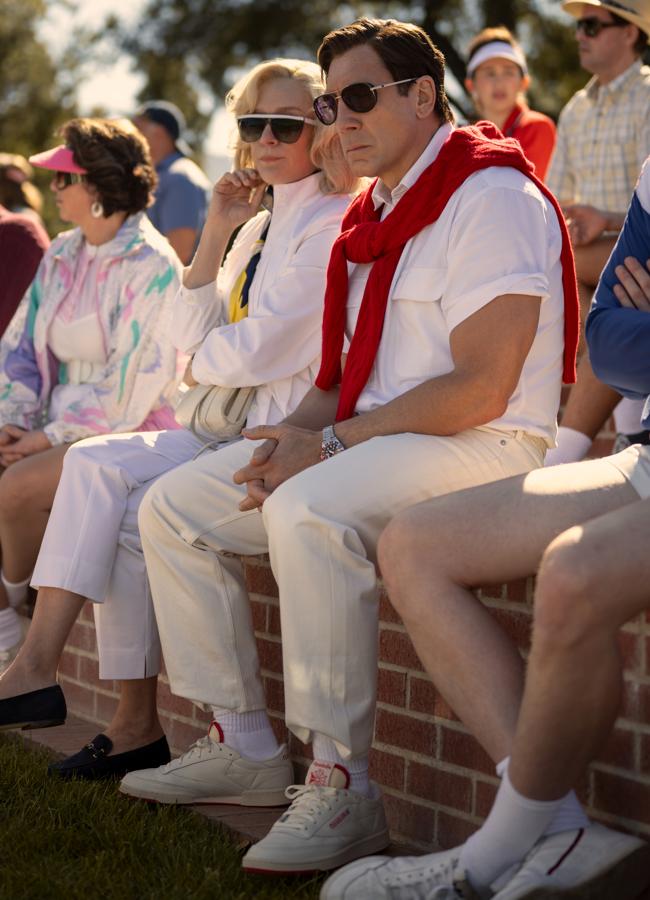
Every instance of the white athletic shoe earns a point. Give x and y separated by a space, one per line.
595 863
326 826
8 656
435 875
212 772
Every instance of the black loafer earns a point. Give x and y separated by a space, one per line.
93 762
36 709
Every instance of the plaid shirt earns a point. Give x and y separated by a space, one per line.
603 140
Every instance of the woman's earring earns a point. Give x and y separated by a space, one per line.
96 210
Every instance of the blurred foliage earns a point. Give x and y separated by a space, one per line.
183 45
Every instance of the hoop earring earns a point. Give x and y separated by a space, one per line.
96 210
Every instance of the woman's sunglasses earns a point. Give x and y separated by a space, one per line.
591 26
286 129
360 98
63 180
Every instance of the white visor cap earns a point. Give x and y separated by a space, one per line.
496 50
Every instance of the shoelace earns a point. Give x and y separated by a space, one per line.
308 801
409 879
196 750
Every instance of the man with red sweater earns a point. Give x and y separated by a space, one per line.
22 244
451 295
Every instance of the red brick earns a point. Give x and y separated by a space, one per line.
645 754
259 615
491 591
630 646
462 749
404 731
395 647
519 591
391 687
438 786
274 689
452 830
170 703
387 612
485 794
621 796
636 702
80 699
82 636
69 664
516 625
297 748
619 749
270 654
274 620
179 734
87 614
260 580
387 769
279 729
89 671
423 697
410 820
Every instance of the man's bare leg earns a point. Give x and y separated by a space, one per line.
433 556
591 581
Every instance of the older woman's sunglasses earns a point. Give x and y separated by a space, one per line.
286 129
360 97
63 180
592 26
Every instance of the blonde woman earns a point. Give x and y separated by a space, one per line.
254 322
497 79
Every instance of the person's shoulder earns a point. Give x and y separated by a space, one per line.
186 170
534 117
643 186
23 228
152 247
576 103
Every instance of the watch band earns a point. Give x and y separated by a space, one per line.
330 444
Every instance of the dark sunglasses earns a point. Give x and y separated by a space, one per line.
591 26
63 180
286 129
361 98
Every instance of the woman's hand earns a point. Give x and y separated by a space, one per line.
22 444
237 197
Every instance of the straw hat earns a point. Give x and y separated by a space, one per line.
635 11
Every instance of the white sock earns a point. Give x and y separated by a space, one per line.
16 591
325 750
572 446
10 628
249 733
627 416
514 824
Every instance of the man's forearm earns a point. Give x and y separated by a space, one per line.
316 410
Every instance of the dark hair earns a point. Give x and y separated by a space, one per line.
406 51
487 36
117 159
641 42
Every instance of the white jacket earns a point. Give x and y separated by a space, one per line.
277 346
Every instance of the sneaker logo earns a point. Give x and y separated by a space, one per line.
340 818
319 773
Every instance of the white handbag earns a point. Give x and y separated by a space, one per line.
214 413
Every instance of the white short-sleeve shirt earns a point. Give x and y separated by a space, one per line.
497 235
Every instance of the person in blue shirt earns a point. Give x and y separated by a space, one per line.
583 528
183 191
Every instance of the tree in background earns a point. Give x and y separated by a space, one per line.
182 44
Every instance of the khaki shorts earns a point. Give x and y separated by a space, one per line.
634 464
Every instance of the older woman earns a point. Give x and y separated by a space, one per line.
497 79
256 322
92 355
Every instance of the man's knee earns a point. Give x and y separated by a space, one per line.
19 488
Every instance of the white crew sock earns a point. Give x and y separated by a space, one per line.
325 750
514 824
10 628
16 591
627 416
249 733
572 446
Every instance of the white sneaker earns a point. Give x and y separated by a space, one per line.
212 772
326 826
593 862
8 656
435 875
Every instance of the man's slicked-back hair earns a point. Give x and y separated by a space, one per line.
406 50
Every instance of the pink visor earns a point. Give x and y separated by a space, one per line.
59 159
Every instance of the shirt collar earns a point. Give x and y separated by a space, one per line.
594 88
382 195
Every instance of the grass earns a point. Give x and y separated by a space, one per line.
82 840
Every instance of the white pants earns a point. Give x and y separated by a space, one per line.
92 544
321 528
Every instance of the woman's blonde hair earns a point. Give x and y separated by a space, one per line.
326 153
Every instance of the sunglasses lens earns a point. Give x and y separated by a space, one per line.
359 97
250 129
326 108
62 180
287 130
591 27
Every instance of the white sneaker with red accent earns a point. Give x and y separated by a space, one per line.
212 772
326 826
594 862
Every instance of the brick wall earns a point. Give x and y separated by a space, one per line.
438 783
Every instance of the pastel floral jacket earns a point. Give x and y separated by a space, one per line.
140 277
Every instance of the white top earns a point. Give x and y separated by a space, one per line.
278 345
497 235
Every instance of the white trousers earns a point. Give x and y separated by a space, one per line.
321 528
92 544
